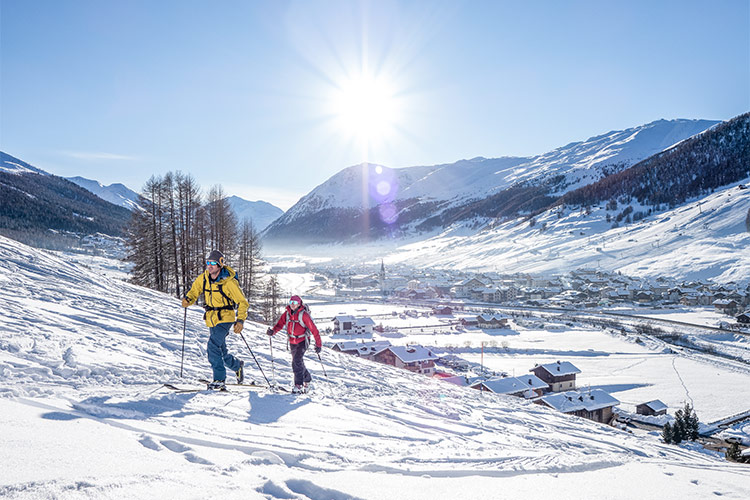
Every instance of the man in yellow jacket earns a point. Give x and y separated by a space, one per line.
222 294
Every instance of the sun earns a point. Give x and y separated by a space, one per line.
366 109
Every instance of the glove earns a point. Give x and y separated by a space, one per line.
238 325
269 332
185 302
318 349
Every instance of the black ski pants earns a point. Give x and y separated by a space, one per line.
301 374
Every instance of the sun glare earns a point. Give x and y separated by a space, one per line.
366 109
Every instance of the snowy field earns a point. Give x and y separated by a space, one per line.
84 414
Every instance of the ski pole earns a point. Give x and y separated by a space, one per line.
184 327
256 359
273 371
321 365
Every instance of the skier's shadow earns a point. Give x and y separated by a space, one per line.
267 408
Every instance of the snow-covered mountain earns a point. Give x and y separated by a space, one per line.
369 201
83 358
260 212
117 193
704 239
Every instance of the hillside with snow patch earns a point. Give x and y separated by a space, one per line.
83 358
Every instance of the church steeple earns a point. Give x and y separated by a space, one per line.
382 277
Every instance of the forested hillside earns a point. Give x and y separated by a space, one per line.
38 208
693 168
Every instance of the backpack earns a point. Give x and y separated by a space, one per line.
231 305
304 309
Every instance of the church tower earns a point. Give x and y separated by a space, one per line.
382 278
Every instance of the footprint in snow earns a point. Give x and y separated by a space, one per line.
186 451
175 446
267 457
149 443
273 490
315 492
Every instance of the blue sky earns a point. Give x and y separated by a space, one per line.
271 98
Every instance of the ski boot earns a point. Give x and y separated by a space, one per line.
241 373
217 385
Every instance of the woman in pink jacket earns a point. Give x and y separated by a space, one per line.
298 323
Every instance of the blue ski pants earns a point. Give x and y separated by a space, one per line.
218 355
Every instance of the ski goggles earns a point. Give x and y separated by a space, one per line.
294 302
212 263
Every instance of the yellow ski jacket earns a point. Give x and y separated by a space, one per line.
221 297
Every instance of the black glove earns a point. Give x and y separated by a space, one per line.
318 349
269 332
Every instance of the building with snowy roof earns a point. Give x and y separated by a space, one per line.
653 408
560 376
492 321
529 386
366 350
349 325
414 358
594 404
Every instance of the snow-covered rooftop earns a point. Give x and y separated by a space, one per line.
571 401
413 353
559 368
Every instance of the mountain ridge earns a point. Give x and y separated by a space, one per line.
382 202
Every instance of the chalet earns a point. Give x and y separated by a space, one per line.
349 325
652 408
561 376
725 305
492 321
529 387
366 350
464 288
468 322
414 358
344 325
690 300
364 326
594 404
442 310
744 318
643 297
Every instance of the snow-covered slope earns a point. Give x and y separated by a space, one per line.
260 212
12 165
703 239
117 193
405 197
83 357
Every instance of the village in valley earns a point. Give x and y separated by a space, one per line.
622 351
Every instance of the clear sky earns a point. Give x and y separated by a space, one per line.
271 98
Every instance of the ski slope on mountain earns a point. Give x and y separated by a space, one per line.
84 415
702 239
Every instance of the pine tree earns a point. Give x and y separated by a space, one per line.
691 423
667 434
733 453
678 429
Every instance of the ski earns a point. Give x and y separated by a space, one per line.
189 389
251 384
